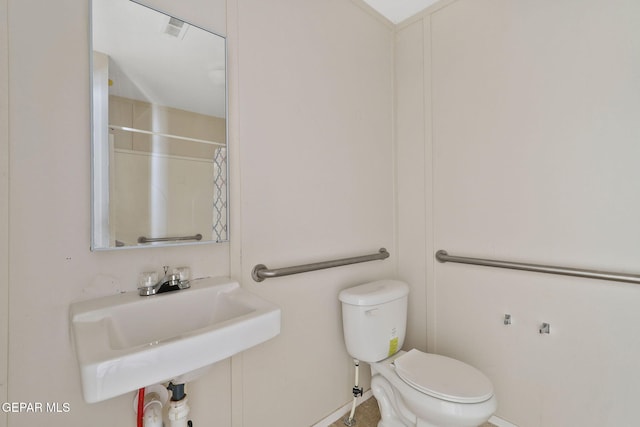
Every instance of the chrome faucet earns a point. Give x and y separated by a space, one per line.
170 282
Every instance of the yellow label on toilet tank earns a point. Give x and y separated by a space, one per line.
393 346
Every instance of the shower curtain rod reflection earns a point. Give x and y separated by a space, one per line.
261 272
443 257
166 135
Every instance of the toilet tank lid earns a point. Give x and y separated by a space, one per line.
373 293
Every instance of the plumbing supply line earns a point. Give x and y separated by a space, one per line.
140 406
357 391
351 420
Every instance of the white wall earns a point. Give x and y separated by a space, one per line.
312 179
533 143
315 110
413 198
4 207
50 264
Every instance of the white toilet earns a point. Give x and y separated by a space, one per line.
413 389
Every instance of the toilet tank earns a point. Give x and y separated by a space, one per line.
374 319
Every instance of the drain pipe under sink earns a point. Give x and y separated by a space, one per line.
178 408
357 391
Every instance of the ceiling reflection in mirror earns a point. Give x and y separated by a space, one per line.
159 155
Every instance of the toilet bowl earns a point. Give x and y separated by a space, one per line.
413 388
440 392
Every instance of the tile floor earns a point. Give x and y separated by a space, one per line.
368 415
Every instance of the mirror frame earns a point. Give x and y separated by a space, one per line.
97 192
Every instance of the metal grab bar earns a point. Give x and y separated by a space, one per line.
261 272
443 256
143 239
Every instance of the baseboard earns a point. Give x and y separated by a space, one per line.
338 413
499 422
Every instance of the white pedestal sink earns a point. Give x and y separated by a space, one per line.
127 341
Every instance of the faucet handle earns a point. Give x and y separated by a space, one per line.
148 278
183 274
146 281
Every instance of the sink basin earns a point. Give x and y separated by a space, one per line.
127 341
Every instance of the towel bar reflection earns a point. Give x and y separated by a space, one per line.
261 272
443 256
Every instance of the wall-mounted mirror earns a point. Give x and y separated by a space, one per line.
159 129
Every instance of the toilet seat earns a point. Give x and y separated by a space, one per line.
443 377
